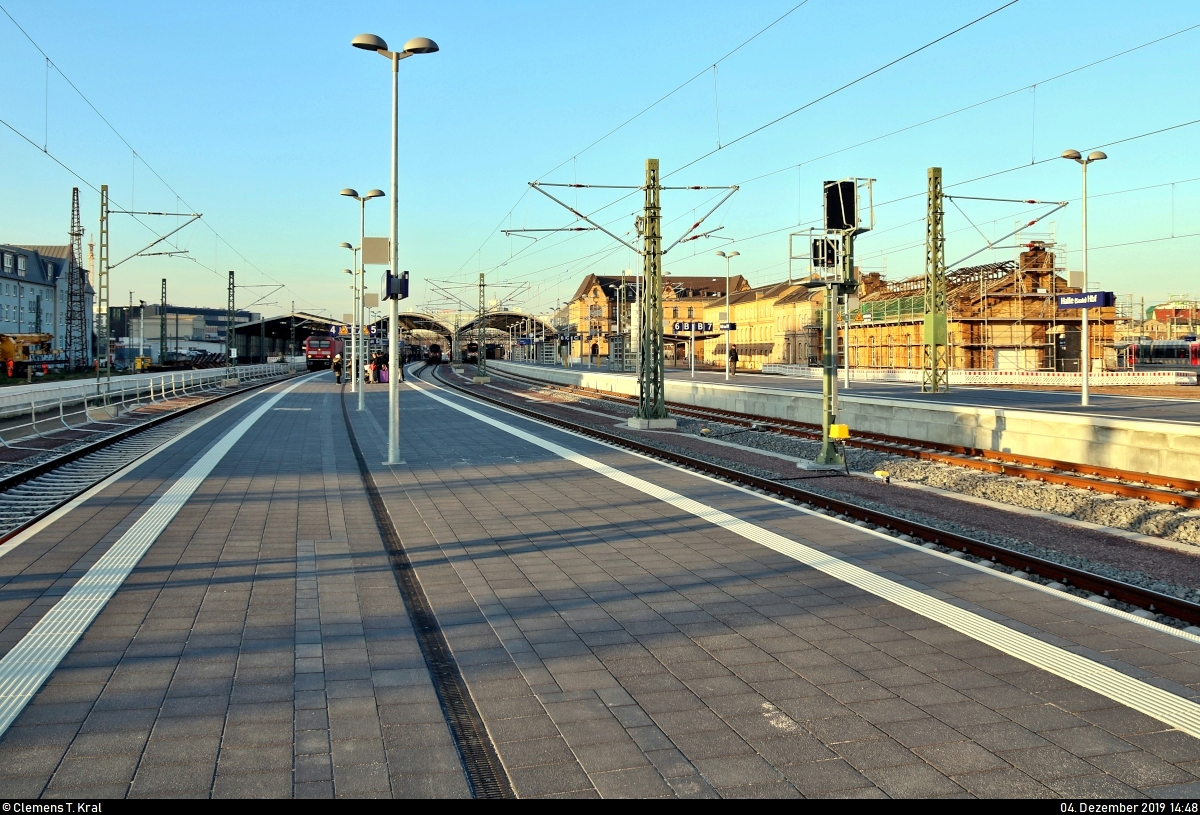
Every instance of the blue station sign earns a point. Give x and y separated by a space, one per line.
1091 299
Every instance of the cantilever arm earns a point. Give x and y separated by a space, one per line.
581 216
696 225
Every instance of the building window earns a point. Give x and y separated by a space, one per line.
21 265
8 267
690 314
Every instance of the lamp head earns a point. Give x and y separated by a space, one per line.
420 45
349 193
344 245
347 271
732 255
369 42
1097 156
1073 155
720 254
375 194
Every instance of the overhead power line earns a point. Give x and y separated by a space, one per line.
848 85
137 157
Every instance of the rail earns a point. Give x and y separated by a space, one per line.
1109 588
95 408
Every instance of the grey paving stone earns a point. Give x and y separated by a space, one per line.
259 785
823 777
641 782
736 771
360 779
1138 769
912 781
1087 741
430 785
549 779
313 768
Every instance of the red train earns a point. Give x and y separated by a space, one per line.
319 352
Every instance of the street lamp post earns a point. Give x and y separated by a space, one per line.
1085 349
417 45
360 280
353 272
728 313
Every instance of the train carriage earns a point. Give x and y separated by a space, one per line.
1154 355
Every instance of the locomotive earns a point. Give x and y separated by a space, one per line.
320 351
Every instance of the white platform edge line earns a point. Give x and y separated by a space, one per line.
79 500
1165 706
1114 612
30 662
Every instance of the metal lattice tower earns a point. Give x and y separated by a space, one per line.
75 339
481 355
102 321
935 361
162 326
230 316
651 401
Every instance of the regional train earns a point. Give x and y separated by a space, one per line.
434 355
1154 355
319 352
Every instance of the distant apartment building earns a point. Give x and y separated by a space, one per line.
33 293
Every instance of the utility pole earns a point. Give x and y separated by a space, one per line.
162 326
652 406
935 362
652 409
481 376
292 329
103 328
230 315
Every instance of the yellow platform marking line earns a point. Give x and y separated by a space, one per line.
1165 706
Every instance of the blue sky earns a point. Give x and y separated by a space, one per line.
257 114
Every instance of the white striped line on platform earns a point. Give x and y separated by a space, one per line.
26 667
1162 705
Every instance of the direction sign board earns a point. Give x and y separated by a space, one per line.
679 327
1091 299
729 326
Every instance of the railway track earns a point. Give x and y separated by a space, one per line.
1179 492
1147 601
33 493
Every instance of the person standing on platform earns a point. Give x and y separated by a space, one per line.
733 360
337 368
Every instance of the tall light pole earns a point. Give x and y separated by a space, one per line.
360 279
353 272
417 45
1084 349
728 313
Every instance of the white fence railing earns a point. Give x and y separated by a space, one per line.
28 414
977 377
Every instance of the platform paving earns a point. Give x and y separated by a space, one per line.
613 644
260 649
618 647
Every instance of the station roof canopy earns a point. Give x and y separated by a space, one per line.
280 327
505 320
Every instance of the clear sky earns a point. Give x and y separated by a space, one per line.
257 114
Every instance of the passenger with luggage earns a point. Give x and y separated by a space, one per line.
733 360
337 368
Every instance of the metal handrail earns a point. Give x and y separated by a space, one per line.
22 413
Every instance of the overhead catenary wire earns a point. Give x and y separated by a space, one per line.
135 154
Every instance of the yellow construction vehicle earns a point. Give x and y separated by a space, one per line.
19 351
